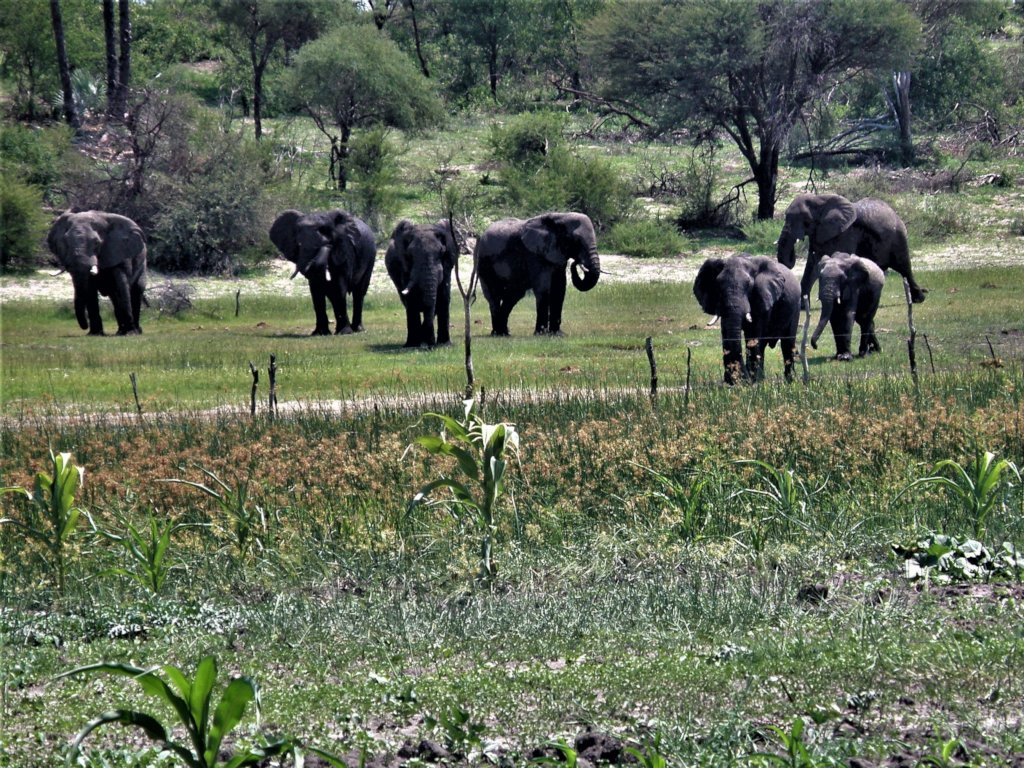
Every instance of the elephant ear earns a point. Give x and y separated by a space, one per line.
124 243
834 216
446 237
705 286
538 238
283 233
55 239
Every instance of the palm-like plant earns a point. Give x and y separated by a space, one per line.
979 485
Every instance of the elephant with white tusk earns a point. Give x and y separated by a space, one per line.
419 260
515 256
758 301
106 256
849 289
335 252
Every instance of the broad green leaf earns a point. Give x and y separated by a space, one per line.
153 728
199 696
238 694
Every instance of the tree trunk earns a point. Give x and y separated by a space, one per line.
111 45
901 112
492 70
124 60
342 157
70 113
416 38
766 174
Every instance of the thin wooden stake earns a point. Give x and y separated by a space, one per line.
135 391
928 347
255 382
272 370
803 344
649 346
686 396
238 301
913 331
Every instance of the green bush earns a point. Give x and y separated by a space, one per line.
938 217
373 169
761 236
217 220
22 222
645 238
34 155
527 139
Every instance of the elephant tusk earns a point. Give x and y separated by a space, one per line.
294 274
405 292
748 318
61 272
327 275
94 270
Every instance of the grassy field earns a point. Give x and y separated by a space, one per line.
693 575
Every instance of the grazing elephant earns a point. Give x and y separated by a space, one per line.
419 261
849 290
758 300
335 251
868 228
515 256
106 255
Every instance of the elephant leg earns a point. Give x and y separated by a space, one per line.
336 292
120 297
755 359
427 335
136 291
357 311
842 331
788 346
92 307
443 309
317 291
412 327
543 312
868 340
555 301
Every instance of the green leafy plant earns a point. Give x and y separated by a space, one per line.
945 756
193 703
479 450
52 517
147 552
461 732
795 752
648 756
248 520
944 558
686 500
569 757
786 495
979 485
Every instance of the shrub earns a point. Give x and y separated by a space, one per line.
35 156
762 235
527 139
939 217
22 223
645 238
698 209
373 169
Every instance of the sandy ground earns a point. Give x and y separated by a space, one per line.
42 284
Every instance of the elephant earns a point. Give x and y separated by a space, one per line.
335 251
106 255
514 256
758 299
868 228
419 260
849 289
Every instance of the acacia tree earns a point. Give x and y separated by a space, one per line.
57 20
356 77
749 69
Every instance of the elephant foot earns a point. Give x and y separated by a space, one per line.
321 332
97 333
445 343
918 295
499 333
128 332
344 331
844 357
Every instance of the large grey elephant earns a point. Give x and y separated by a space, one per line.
849 289
335 251
106 255
515 256
758 300
868 228
419 260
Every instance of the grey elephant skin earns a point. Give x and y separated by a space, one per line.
419 261
106 256
758 301
832 224
335 251
849 289
514 256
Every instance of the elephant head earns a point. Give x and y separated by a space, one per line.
849 289
758 301
820 218
562 238
308 240
419 260
105 253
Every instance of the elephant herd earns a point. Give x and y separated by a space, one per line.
758 299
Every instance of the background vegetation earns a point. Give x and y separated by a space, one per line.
717 576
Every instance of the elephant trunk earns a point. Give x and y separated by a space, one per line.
80 280
591 266
732 347
787 248
826 314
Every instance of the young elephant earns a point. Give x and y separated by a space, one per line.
419 261
850 288
758 300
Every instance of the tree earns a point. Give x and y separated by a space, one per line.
268 24
118 55
751 70
70 114
356 77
